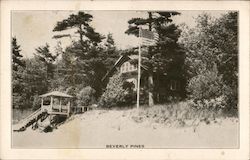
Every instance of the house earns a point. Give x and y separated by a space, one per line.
166 86
128 69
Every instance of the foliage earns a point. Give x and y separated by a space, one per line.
166 52
18 65
16 56
36 102
83 63
114 94
57 83
86 60
214 42
154 18
17 100
178 114
86 96
80 21
214 103
31 82
167 56
206 85
44 55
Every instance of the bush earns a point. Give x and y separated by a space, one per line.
114 94
214 103
17 100
86 96
231 96
178 114
36 102
206 85
73 92
207 94
208 90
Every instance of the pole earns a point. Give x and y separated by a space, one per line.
139 71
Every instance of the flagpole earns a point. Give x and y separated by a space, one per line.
139 71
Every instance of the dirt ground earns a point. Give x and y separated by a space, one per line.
116 129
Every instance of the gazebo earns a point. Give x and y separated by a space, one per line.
56 103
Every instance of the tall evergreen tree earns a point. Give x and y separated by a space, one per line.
84 61
16 56
44 55
18 65
81 22
110 52
167 55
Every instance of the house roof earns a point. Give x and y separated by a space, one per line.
119 62
57 94
133 56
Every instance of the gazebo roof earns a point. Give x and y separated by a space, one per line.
56 94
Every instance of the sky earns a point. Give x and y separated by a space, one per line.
35 28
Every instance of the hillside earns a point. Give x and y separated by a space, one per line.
98 128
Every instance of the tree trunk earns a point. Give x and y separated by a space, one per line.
150 90
150 76
81 36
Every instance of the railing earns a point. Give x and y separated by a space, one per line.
31 115
60 109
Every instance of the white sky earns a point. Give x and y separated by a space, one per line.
34 28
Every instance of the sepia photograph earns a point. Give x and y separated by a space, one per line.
127 79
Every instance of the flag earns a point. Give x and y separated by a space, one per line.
148 38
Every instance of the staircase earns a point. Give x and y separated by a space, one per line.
29 120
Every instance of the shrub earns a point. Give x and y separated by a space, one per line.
36 102
231 97
214 103
17 100
207 90
73 92
206 85
86 96
114 93
176 114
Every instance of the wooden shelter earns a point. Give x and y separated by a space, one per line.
56 103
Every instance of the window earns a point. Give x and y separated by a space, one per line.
127 67
174 85
131 67
135 83
122 68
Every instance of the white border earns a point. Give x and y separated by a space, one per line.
5 144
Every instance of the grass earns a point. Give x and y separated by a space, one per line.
178 114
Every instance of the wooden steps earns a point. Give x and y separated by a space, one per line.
29 120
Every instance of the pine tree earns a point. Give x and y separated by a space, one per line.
87 35
86 60
44 55
16 56
167 55
18 65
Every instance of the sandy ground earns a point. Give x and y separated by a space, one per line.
98 128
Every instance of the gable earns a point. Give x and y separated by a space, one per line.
123 60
